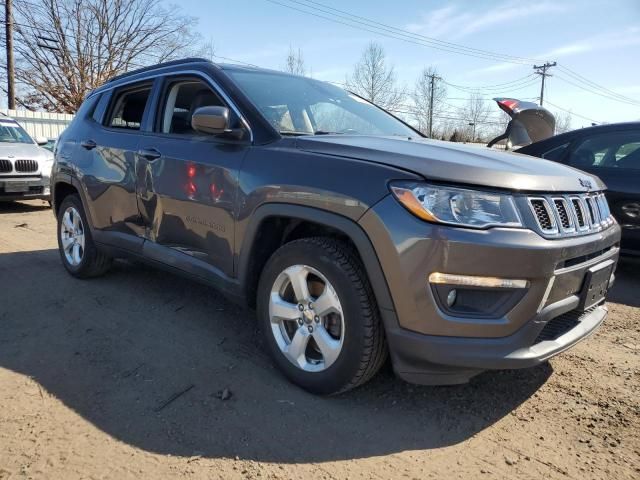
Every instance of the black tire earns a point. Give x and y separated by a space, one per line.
94 263
364 347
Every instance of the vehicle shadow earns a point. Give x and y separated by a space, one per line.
626 289
143 355
23 207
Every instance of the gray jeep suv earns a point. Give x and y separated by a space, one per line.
351 235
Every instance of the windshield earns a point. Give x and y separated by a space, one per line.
13 133
303 106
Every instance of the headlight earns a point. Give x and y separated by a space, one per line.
46 166
457 206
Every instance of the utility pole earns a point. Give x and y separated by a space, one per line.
11 93
433 78
542 71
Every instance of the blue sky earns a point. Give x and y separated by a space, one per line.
597 39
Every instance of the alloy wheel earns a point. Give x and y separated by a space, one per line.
306 318
72 236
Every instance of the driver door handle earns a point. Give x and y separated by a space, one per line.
149 153
88 144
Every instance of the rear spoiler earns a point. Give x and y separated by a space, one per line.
529 123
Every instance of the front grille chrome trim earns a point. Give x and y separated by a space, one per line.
567 215
552 229
561 208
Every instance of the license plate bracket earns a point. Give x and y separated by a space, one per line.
596 284
16 187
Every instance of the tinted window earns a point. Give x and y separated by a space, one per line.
128 108
555 153
614 150
182 99
101 106
300 105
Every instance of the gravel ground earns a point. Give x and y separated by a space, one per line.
141 374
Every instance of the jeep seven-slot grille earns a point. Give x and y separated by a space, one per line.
5 166
579 212
567 215
543 214
26 166
566 221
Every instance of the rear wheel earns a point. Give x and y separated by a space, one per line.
319 317
79 254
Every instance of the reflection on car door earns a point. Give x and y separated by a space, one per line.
187 181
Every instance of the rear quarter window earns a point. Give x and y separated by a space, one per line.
555 153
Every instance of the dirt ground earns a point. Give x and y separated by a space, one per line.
90 373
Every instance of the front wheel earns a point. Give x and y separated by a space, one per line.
319 317
78 252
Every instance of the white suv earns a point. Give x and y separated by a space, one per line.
25 167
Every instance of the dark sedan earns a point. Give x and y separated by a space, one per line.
612 152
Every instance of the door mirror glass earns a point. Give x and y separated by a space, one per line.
211 120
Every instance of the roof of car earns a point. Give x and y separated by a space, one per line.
189 61
601 128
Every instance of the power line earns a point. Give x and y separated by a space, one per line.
572 113
416 35
595 92
408 37
580 78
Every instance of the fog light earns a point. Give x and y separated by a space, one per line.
451 297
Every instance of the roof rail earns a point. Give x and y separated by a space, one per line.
156 66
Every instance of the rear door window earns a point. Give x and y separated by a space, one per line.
128 108
616 150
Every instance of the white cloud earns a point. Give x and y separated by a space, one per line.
454 22
604 41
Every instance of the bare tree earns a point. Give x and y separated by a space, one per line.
476 113
206 50
295 62
422 97
563 122
65 48
375 80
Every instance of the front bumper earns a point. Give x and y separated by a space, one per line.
433 346
35 187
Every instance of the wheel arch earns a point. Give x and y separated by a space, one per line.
272 225
65 185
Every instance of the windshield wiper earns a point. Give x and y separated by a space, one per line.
323 132
295 134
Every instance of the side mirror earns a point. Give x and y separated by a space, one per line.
211 120
41 140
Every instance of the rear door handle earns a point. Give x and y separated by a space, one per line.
149 153
88 144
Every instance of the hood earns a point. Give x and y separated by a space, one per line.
27 151
456 163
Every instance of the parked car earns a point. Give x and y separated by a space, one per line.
50 145
351 235
612 152
25 167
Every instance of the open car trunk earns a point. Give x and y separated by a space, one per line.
529 123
